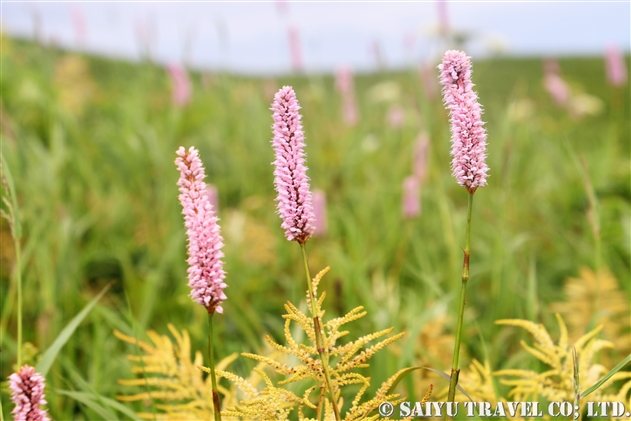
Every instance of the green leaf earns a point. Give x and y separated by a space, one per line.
613 371
88 399
408 370
51 353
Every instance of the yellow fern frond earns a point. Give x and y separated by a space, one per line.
301 362
176 387
558 383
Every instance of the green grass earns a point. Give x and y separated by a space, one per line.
98 203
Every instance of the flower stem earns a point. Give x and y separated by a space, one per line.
213 379
18 265
319 334
455 371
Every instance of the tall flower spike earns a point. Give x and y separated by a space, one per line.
181 84
205 273
295 205
319 208
27 393
468 140
615 66
411 197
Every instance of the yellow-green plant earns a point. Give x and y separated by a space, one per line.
566 374
595 298
558 382
477 380
277 402
171 380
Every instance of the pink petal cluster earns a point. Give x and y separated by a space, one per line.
616 69
428 81
554 83
295 49
345 86
27 393
411 197
468 140
281 6
295 205
181 84
213 197
443 18
420 157
409 39
557 88
396 116
80 26
319 207
205 273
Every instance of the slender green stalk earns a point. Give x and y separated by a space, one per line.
18 265
1 412
213 379
319 333
455 371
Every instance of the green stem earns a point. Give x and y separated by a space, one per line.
320 336
213 379
455 371
18 264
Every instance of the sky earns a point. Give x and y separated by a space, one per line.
254 37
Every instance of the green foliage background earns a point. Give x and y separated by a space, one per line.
98 202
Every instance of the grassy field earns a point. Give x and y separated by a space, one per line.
90 145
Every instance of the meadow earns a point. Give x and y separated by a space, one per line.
90 145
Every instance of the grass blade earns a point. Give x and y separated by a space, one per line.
613 371
88 398
51 353
85 398
408 370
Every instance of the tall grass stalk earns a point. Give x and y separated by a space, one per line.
12 215
213 378
320 335
18 277
455 371
1 411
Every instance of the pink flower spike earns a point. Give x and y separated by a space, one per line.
430 87
468 137
551 66
411 197
616 69
205 273
443 17
319 207
351 115
290 174
181 84
344 85
557 88
281 6
420 157
295 49
27 393
344 80
396 116
213 197
80 27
